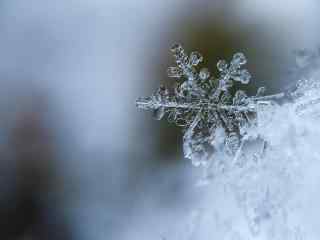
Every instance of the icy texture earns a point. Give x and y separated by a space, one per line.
256 150
205 107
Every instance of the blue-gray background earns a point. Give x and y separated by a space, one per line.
77 159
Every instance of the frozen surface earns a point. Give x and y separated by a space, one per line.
260 153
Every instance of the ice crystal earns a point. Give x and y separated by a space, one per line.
256 146
205 106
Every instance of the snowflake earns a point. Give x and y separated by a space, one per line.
205 107
260 144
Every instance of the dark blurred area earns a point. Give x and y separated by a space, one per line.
26 213
78 161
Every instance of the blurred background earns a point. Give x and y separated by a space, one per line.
78 160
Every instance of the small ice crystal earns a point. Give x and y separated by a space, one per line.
239 59
195 58
202 104
204 74
233 70
222 66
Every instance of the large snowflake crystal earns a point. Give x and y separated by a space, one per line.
214 119
255 147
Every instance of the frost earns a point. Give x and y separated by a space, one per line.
203 105
255 147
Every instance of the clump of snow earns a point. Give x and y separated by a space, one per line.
260 153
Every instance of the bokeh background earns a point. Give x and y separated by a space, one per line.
77 159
